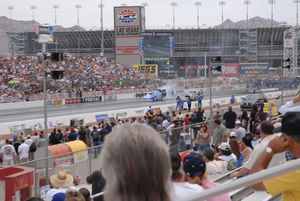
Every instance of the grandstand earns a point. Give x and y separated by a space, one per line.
236 45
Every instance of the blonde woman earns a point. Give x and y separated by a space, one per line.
135 164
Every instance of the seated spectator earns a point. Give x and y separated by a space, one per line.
246 147
287 184
214 168
74 195
127 164
291 106
60 183
194 167
235 148
182 189
266 133
225 153
86 194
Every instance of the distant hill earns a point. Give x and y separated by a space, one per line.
255 22
22 26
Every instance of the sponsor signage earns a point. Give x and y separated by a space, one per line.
230 70
139 95
121 114
289 36
149 69
254 69
101 117
45 34
127 50
127 16
192 67
92 99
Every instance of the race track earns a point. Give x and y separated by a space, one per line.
62 110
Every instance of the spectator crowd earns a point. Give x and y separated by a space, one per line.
21 77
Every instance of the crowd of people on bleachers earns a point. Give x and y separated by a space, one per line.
21 77
132 149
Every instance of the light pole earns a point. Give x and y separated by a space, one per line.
32 10
77 6
247 3
222 4
297 11
145 5
198 4
174 4
10 8
271 2
55 7
101 6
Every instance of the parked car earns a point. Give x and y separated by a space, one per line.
251 99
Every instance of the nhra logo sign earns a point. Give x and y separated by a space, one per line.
127 16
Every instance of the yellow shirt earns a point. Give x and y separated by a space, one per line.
274 111
287 184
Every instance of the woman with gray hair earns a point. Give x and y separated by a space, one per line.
136 165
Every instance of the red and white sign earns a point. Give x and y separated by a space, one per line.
127 50
230 70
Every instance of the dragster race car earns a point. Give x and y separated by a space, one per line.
155 95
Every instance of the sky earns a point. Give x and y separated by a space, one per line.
158 12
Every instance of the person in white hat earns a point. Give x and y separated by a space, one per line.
60 183
225 153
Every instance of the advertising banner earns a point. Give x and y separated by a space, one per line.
127 50
230 70
101 117
92 99
289 36
150 69
254 69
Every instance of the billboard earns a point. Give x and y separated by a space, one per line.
230 70
289 36
149 69
254 69
156 44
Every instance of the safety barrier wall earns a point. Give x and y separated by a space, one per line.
5 128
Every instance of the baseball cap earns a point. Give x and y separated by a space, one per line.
291 123
238 122
194 164
224 146
232 134
60 196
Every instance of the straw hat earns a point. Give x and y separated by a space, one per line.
61 179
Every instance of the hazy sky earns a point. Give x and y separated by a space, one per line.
158 13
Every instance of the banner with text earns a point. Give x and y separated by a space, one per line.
149 69
254 69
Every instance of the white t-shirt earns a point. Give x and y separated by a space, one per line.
29 142
215 169
259 149
8 152
228 158
165 124
23 151
184 189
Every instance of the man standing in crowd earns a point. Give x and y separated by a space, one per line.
8 153
96 141
239 130
229 117
287 184
189 103
218 134
23 151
